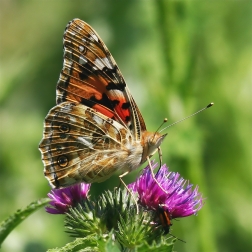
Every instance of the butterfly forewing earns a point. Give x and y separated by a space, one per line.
90 76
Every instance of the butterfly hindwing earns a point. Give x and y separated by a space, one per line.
80 144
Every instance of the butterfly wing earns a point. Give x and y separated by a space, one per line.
91 77
81 144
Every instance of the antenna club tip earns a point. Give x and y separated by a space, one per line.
210 105
165 120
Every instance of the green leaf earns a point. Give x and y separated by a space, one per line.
108 245
90 244
165 246
12 221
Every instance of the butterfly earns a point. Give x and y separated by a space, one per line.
96 129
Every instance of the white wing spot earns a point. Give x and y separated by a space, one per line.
72 33
98 120
99 63
86 141
107 63
82 60
81 48
95 37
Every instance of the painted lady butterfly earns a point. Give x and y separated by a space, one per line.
96 128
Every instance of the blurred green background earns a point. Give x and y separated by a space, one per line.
176 58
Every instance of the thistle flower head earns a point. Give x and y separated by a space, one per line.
179 198
63 199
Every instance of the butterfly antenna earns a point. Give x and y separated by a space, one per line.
208 106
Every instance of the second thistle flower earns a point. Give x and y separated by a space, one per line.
63 199
180 199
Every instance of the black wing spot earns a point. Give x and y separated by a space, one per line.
106 140
109 72
126 105
86 70
114 86
64 128
59 148
87 102
115 103
103 101
63 136
62 161
127 119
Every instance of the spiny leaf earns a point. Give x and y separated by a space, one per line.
12 221
86 244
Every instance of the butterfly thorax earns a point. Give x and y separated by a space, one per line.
150 142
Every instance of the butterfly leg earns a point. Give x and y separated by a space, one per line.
160 158
129 191
154 177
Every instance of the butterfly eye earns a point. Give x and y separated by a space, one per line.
63 161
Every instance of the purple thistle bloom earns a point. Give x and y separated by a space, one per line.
179 201
63 199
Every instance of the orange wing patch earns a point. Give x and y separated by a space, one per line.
90 75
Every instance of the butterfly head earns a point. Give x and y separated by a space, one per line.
151 141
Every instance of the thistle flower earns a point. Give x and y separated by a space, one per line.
63 199
179 200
